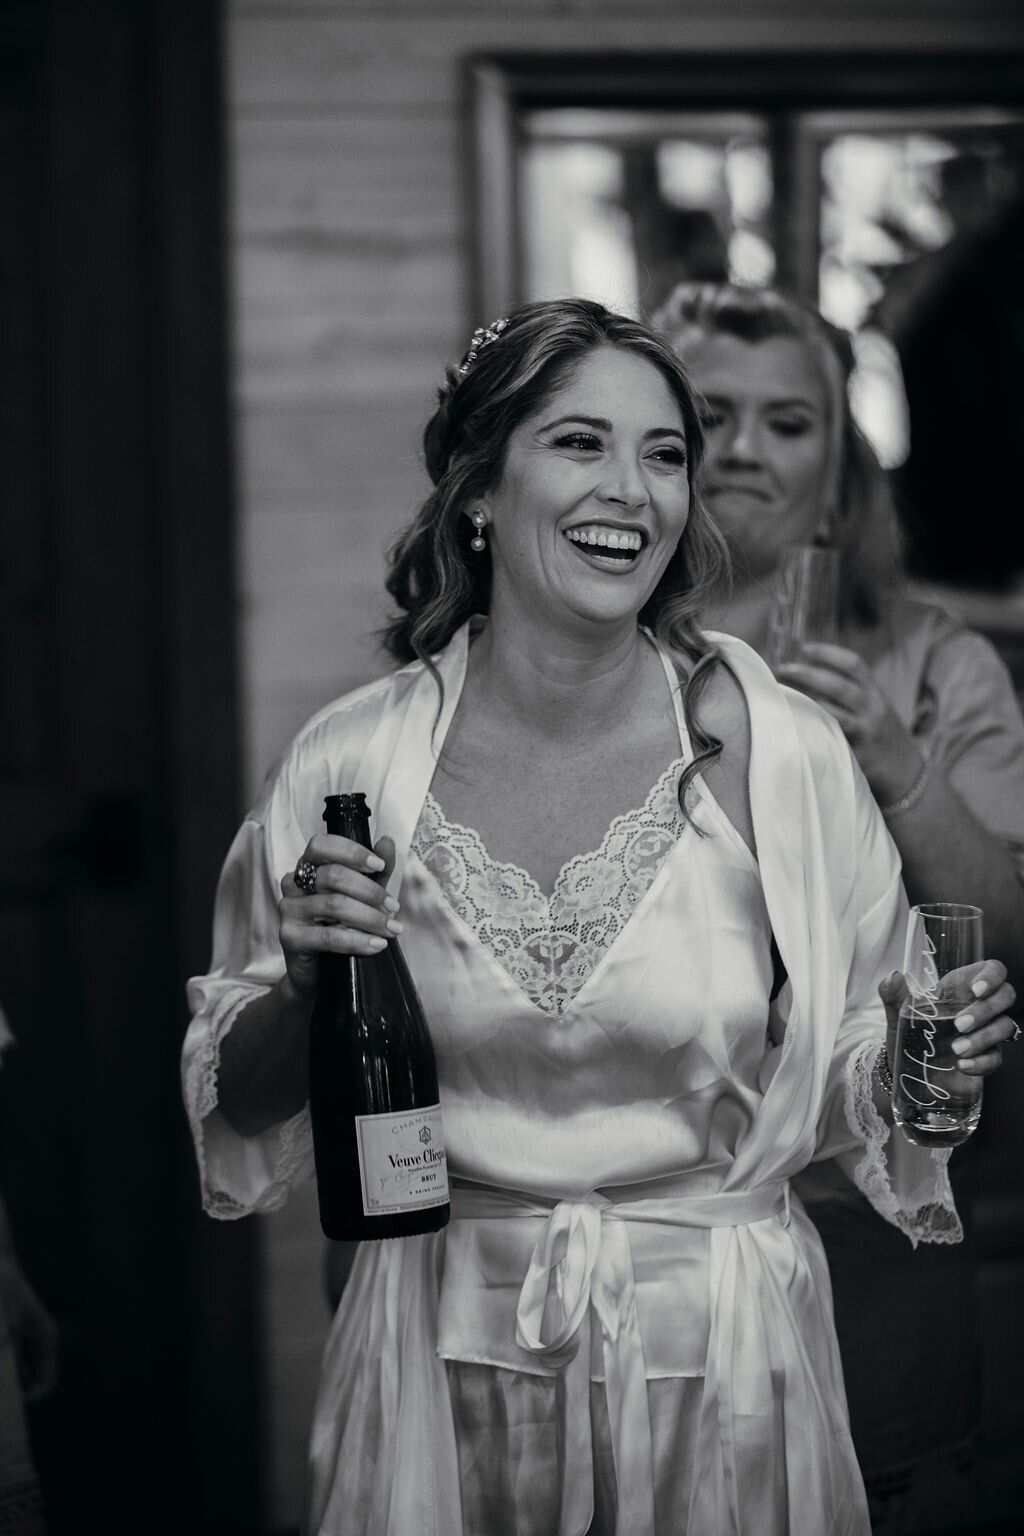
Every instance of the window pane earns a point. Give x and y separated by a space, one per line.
620 206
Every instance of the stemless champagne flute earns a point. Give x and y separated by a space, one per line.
806 601
934 1102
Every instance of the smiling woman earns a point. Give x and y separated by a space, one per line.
583 524
577 424
590 471
625 1325
526 385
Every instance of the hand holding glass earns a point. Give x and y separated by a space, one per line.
935 1103
806 601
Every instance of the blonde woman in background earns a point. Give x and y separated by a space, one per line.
930 713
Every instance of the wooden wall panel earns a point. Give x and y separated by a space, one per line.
347 172
345 357
347 251
318 630
305 446
327 57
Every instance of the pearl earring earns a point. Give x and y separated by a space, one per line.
478 544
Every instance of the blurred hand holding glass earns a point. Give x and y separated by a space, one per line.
806 604
935 1103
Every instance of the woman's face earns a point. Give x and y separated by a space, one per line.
766 450
593 497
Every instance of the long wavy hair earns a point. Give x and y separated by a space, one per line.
436 580
857 512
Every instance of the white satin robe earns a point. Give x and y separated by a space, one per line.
621 1205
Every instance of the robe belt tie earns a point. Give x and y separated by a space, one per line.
582 1260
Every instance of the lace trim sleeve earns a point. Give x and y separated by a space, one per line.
239 1174
908 1185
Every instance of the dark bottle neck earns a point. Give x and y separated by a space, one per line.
348 816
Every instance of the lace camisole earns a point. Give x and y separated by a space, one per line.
549 945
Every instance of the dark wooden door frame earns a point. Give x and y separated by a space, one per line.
129 411
198 567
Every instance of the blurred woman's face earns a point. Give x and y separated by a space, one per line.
767 444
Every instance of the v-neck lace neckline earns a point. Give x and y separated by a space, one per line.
550 945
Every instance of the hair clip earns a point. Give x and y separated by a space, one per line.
482 337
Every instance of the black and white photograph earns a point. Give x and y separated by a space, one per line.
512 767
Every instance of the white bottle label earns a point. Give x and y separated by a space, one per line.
402 1165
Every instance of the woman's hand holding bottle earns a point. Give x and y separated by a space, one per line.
348 911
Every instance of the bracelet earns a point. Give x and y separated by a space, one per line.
884 1071
912 795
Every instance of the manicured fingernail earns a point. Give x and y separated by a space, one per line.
960 1046
963 1021
393 926
979 987
374 862
376 943
389 904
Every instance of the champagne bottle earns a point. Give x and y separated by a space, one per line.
374 1101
